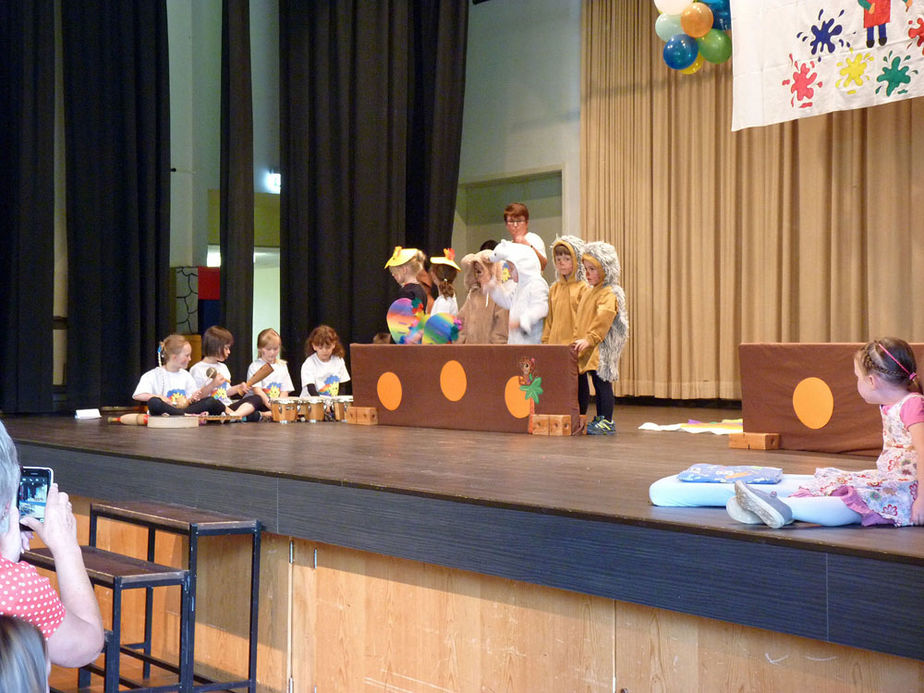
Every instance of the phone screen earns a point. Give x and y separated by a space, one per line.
33 491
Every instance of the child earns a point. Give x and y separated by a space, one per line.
278 383
24 664
324 370
527 299
888 495
444 271
404 265
601 326
216 345
483 321
565 294
169 388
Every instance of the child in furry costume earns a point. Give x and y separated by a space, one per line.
483 321
526 297
602 327
565 294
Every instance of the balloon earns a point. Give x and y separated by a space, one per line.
696 19
680 52
697 64
715 46
667 25
721 14
671 6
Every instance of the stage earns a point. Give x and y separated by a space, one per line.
563 512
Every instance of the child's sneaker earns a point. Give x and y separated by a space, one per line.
738 513
601 427
774 512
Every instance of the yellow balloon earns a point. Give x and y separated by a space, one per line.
698 63
696 19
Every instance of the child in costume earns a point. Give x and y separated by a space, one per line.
888 495
483 321
444 271
216 347
566 292
601 326
169 388
278 383
405 264
526 296
324 369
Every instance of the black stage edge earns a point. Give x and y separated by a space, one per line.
570 513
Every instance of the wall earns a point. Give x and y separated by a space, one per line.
522 115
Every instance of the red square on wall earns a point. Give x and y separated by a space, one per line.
209 283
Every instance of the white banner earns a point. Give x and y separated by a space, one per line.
798 58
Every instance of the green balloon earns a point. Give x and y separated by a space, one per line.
715 46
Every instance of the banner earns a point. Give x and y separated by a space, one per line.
798 58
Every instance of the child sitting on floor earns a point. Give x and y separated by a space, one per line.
888 495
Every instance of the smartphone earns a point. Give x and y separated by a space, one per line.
33 491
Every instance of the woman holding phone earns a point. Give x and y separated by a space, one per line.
71 623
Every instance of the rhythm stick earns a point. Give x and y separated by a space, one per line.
265 370
130 419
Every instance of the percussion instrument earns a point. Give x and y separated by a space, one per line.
284 410
340 405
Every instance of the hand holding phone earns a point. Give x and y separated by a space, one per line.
34 483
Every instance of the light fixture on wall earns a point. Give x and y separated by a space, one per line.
273 181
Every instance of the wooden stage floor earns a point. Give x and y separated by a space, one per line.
495 502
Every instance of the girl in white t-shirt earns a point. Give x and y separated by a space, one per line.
278 383
324 371
216 347
444 271
169 388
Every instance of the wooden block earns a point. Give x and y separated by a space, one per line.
365 416
754 441
173 422
539 424
559 424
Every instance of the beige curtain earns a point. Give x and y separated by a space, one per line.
811 231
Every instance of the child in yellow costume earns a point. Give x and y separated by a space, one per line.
565 294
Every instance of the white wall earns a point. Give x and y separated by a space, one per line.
522 95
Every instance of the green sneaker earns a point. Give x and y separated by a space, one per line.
601 427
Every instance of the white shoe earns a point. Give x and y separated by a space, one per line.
774 512
740 514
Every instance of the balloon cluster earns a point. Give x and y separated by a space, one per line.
693 32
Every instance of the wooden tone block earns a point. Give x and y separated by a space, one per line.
539 424
559 424
173 422
754 441
366 416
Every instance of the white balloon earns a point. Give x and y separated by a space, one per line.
671 6
667 25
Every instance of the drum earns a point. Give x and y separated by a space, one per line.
303 404
284 410
315 409
341 404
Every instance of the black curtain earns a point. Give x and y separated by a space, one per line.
27 57
237 223
117 116
371 103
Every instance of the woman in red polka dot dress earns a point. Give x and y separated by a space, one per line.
70 623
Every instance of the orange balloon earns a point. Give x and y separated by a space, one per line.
696 19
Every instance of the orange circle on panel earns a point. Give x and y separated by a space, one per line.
453 381
813 402
388 389
515 399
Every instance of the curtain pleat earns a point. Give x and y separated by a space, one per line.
116 102
26 205
237 187
803 231
371 99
